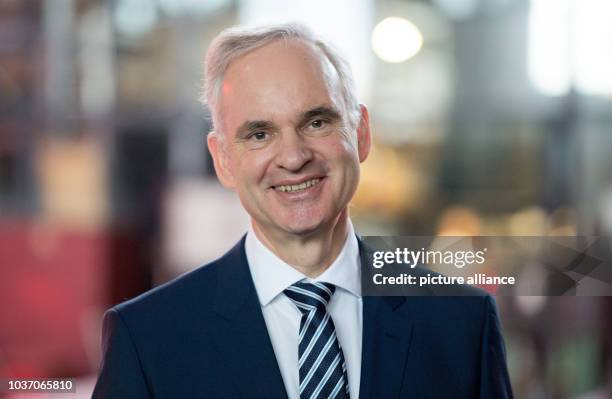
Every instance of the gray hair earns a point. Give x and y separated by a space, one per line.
237 41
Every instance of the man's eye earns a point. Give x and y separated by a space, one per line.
317 124
259 136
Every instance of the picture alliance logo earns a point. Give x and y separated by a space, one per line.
412 258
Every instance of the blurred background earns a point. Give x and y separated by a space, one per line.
490 117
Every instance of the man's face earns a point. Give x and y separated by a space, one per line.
287 147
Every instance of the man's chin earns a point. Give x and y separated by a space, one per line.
302 229
302 226
306 222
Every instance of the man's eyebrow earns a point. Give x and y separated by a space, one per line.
253 126
322 111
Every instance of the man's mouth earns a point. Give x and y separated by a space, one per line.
291 188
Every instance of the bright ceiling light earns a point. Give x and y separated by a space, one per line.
396 40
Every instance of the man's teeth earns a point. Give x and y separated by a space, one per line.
297 187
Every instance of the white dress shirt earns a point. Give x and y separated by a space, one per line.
271 276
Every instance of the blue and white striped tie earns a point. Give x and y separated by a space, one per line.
321 363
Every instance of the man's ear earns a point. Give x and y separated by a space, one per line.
220 160
364 136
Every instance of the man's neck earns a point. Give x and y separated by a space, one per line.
310 254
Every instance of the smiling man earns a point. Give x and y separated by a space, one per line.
281 314
289 143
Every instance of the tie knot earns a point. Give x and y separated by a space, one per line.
310 296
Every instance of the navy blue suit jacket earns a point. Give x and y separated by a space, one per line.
203 335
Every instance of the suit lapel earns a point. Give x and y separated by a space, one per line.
242 336
387 334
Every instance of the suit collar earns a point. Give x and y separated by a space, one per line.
271 275
387 335
233 277
238 280
365 255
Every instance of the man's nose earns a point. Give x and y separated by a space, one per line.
294 152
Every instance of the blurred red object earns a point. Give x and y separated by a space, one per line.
53 284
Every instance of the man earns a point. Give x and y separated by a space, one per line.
281 314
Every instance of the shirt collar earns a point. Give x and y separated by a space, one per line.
272 275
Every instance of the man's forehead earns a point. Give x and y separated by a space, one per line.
282 58
282 76
281 52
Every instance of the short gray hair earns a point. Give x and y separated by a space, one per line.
237 41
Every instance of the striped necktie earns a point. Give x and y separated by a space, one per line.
321 363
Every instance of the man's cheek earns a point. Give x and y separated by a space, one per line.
346 144
335 146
